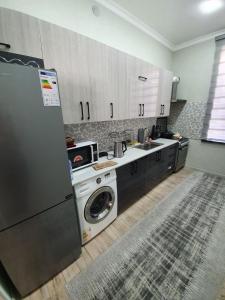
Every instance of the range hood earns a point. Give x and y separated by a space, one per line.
176 81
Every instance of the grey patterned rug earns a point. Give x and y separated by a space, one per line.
176 252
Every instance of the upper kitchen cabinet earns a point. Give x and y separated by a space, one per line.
166 78
87 73
19 33
102 62
62 50
143 89
108 81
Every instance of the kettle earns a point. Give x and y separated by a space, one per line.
119 148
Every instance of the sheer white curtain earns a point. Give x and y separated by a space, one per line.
214 122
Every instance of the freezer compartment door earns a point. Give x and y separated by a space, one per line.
39 248
34 172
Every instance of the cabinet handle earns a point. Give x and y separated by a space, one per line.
139 110
7 46
132 169
82 111
142 78
88 109
158 156
111 104
143 109
136 167
163 109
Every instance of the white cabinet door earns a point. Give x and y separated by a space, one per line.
121 74
86 84
150 87
134 89
166 78
102 62
61 52
112 77
143 88
21 32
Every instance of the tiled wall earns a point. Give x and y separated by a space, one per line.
99 131
187 118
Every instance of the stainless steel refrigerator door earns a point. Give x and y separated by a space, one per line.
33 159
33 251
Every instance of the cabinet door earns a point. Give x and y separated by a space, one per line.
61 52
21 32
153 170
166 78
109 84
101 79
134 91
130 183
123 86
144 88
150 85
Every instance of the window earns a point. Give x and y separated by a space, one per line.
214 122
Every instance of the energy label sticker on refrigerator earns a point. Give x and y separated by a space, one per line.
49 87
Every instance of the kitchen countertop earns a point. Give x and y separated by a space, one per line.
130 155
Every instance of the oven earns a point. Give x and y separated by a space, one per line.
182 153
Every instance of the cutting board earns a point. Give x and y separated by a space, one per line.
104 165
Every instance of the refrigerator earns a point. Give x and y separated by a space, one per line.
39 227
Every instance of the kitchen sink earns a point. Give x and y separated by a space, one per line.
148 146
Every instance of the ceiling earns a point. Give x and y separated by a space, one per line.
177 21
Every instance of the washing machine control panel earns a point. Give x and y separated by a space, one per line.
98 180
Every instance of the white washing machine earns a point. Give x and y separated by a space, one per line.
97 204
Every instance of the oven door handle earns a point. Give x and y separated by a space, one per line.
184 145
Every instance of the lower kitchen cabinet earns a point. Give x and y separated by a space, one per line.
140 176
130 183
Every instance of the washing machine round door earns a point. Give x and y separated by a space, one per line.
99 205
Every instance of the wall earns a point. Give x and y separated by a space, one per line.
194 66
107 28
100 131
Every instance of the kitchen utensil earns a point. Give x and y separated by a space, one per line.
129 136
146 134
119 148
155 134
70 142
141 135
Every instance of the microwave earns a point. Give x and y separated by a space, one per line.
83 154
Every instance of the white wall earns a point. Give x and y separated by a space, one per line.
107 28
194 66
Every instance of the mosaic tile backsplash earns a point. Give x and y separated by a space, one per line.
187 118
100 131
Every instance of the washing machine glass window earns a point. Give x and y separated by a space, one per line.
99 205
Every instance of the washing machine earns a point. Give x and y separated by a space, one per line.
97 204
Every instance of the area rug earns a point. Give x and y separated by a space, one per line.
176 252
